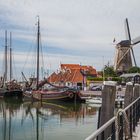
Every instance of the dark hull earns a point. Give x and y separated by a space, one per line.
11 93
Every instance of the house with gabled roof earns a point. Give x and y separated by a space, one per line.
73 75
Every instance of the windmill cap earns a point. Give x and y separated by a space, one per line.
125 43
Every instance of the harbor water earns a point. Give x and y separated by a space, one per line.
46 121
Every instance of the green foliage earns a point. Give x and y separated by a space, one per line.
117 79
134 70
109 71
97 79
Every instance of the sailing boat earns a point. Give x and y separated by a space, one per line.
61 93
9 88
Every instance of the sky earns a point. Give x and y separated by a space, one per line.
72 31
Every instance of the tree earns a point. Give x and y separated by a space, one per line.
134 70
109 71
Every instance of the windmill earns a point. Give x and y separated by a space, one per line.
124 52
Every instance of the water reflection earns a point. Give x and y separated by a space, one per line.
46 121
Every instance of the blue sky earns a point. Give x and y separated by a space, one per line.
72 31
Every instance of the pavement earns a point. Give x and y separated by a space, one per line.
99 93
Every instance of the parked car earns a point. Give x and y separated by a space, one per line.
96 88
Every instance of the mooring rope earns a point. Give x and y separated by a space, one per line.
125 126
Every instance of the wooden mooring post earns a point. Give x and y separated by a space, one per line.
132 93
107 109
136 95
128 94
136 91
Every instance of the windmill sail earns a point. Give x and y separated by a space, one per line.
127 30
136 40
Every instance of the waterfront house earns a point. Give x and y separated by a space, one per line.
73 75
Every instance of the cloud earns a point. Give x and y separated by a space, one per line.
81 31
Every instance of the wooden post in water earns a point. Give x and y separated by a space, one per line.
127 101
135 106
136 91
108 106
128 94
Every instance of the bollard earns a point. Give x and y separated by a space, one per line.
136 91
128 100
135 106
108 106
128 94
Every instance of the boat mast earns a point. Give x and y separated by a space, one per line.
5 74
10 56
38 43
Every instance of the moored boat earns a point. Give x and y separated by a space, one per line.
68 95
57 93
9 88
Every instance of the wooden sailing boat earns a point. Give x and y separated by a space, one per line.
9 88
61 94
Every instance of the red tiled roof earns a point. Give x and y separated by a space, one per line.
71 73
53 77
89 69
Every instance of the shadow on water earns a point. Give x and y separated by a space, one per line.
45 120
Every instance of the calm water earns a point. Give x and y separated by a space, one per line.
46 121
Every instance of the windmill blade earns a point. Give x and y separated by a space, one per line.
127 30
133 56
136 40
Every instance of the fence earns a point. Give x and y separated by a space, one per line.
122 125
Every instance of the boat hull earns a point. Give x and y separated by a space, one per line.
66 96
13 93
10 93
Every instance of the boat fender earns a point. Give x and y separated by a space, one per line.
71 95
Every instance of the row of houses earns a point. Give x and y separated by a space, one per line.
73 75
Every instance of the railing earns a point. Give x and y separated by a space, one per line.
122 126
